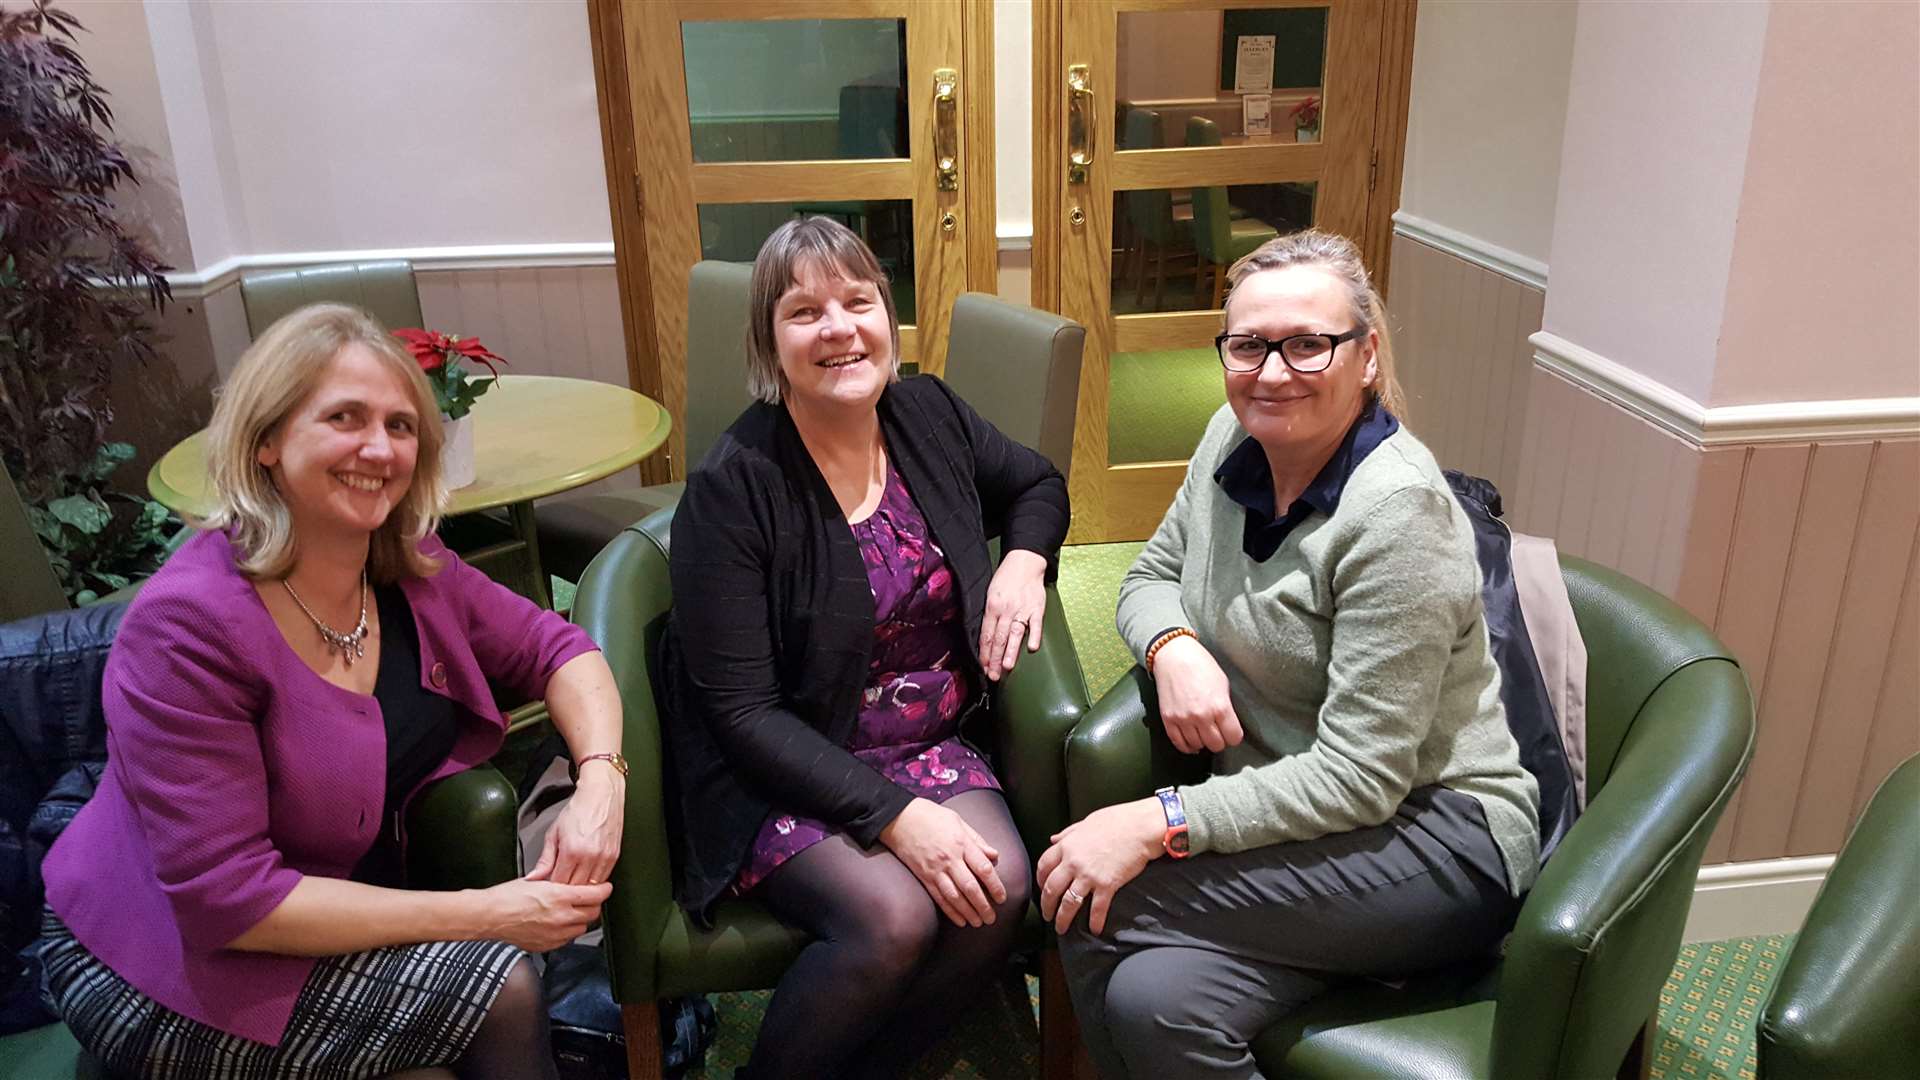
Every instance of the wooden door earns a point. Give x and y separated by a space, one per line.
724 118
1153 177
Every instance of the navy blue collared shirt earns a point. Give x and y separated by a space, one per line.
1247 479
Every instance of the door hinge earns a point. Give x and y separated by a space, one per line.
1373 170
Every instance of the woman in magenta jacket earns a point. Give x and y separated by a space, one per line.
233 900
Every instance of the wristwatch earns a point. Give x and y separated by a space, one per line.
1176 839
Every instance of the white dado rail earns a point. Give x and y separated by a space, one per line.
1521 268
1724 425
192 284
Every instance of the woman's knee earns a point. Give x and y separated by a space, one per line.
521 999
893 931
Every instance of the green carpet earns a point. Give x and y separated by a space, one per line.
1158 403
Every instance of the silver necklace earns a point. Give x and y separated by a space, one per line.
350 646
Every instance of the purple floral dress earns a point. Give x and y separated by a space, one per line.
916 685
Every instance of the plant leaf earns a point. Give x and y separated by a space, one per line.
88 515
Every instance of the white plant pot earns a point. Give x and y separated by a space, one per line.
1306 134
456 454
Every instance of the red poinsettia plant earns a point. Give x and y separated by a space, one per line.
446 359
1306 114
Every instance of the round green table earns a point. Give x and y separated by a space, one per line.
534 436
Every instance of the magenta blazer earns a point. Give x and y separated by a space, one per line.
233 770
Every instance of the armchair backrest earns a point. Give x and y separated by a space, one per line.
622 604
717 296
385 289
1211 218
1670 730
1150 211
1020 368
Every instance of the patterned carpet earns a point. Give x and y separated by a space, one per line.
1707 1007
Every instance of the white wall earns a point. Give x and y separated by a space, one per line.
1013 117
1659 108
312 126
1486 118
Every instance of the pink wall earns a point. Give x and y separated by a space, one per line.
411 124
1823 300
1658 110
119 52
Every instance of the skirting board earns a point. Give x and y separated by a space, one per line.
1753 899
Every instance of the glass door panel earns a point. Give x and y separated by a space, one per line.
797 89
1203 130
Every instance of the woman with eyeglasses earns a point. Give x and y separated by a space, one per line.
1309 612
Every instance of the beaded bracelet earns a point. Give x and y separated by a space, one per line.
1153 650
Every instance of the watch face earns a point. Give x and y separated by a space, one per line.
1177 844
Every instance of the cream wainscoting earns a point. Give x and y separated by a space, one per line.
1792 529
1461 321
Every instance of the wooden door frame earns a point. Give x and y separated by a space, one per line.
1050 120
652 252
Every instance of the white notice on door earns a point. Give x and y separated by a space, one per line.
1253 71
1256 114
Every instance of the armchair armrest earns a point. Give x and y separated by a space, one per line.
1039 702
1121 752
1847 1002
1598 933
460 831
622 604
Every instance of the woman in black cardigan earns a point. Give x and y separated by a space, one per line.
836 620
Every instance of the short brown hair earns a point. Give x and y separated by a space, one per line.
274 375
817 241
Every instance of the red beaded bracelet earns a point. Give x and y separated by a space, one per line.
1153 650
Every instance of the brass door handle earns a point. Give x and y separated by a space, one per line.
946 128
1079 123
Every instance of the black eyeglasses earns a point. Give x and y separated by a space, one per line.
1304 353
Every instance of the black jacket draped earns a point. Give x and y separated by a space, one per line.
766 651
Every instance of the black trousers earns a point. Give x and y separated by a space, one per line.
1200 955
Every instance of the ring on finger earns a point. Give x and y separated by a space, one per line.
1074 896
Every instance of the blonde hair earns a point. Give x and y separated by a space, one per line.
827 245
1338 256
275 375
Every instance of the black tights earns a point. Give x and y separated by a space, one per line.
886 973
514 1041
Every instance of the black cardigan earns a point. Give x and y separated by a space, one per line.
766 651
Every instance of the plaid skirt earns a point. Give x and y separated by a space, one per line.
366 1014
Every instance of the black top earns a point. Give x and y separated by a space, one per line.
421 728
767 647
1247 479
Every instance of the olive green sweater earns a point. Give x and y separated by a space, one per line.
1357 656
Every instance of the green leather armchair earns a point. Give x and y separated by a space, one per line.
653 948
1670 729
1847 1001
574 527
